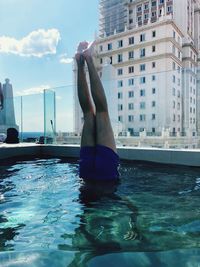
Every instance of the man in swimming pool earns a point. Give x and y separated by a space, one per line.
98 154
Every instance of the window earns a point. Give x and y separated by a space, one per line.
142 80
153 91
153 3
174 65
153 34
174 78
153 130
142 67
131 69
146 16
146 6
101 60
173 91
130 118
131 55
131 131
110 46
153 104
120 43
174 49
153 14
130 94
139 18
120 84
120 71
153 64
153 77
120 95
100 48
120 118
131 11
142 37
174 34
174 104
130 106
131 82
169 9
142 92
153 48
120 58
142 105
110 60
120 107
139 8
142 52
131 40
153 116
142 117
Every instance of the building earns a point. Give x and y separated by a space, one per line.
153 48
7 113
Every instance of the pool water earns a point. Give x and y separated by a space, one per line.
50 217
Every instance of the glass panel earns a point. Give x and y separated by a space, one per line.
65 107
49 117
32 118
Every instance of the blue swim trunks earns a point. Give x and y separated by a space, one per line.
98 163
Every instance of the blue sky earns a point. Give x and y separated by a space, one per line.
38 38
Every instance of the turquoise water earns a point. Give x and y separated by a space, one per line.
50 217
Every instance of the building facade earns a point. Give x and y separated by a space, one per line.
153 49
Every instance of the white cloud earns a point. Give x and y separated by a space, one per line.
64 59
33 90
37 43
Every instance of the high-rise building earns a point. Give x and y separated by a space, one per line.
153 48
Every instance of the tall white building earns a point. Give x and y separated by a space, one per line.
153 47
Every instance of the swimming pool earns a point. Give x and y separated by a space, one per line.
50 217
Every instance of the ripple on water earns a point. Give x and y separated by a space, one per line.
45 206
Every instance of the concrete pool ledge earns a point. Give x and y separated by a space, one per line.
19 150
187 157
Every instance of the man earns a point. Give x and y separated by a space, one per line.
98 155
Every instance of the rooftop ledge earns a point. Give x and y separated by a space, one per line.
186 157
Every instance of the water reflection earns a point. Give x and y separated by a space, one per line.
8 232
108 223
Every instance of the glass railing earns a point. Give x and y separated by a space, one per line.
159 109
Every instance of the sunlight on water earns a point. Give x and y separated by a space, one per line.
49 217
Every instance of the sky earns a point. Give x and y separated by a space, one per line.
38 39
